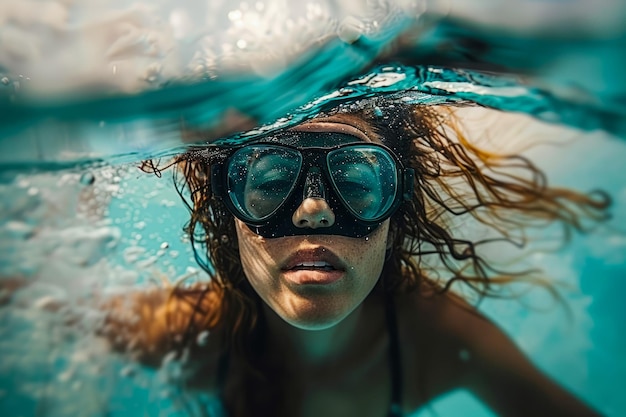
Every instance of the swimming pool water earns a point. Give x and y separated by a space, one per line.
78 219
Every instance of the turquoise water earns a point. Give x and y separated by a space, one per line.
78 219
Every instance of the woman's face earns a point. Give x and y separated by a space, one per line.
313 281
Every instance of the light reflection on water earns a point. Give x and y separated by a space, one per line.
106 227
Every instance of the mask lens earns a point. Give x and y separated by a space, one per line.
260 178
365 179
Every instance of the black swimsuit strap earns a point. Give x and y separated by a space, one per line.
395 408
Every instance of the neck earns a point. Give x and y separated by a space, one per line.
314 346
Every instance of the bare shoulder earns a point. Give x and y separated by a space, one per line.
436 309
436 334
448 344
448 319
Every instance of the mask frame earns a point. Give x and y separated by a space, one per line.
314 180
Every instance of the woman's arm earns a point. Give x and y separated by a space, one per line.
458 347
501 376
505 380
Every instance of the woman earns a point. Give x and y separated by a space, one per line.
331 252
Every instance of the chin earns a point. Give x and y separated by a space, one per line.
311 317
313 325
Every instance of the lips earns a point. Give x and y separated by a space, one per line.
323 265
317 266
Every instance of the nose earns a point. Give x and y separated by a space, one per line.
314 210
313 213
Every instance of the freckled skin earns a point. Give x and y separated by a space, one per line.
318 307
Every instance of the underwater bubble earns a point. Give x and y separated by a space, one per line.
349 30
5 80
87 179
47 302
166 394
147 262
128 371
18 229
65 376
234 15
132 254
164 245
22 183
140 225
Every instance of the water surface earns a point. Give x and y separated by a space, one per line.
77 218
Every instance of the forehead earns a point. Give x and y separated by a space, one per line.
321 138
328 131
348 124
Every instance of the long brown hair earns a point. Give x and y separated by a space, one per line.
453 178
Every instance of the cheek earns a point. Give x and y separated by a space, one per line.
368 257
255 260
